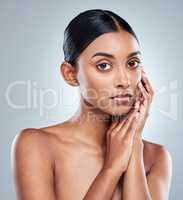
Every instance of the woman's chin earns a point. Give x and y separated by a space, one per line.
119 111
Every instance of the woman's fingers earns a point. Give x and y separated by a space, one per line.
120 124
111 128
132 129
145 95
123 129
113 125
117 124
128 118
147 84
147 87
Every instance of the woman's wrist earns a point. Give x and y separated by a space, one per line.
138 147
111 173
137 140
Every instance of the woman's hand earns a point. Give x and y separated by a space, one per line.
145 98
119 145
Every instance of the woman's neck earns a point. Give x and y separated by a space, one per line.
91 123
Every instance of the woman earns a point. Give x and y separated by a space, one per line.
99 153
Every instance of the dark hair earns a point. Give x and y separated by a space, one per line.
86 27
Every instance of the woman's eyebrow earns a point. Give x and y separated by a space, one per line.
111 56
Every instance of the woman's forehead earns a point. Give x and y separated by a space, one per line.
115 43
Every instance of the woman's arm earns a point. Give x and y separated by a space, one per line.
103 186
119 148
157 184
159 178
31 167
135 184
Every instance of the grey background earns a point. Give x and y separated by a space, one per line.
31 39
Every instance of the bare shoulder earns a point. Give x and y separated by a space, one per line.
36 139
32 165
160 174
29 136
158 151
30 142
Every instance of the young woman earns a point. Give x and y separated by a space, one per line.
98 153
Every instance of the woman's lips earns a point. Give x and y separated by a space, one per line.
122 100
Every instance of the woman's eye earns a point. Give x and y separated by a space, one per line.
103 66
134 63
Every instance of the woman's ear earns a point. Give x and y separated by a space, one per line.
69 73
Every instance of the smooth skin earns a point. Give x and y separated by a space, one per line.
87 157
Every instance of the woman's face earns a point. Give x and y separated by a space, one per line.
110 66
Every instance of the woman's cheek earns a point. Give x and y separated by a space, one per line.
139 75
136 81
135 78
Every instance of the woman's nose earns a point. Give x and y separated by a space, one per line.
122 79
